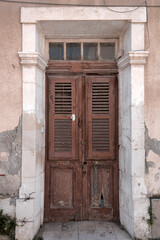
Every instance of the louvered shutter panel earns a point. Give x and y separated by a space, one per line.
100 120
62 102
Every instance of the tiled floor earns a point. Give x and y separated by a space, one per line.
86 230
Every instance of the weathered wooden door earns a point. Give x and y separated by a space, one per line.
81 162
100 195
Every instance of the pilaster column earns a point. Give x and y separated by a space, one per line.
134 202
28 209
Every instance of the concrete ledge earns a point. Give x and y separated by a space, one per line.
35 14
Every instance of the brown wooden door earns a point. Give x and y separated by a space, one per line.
81 164
100 178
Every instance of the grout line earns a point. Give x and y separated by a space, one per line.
114 231
78 229
95 230
60 235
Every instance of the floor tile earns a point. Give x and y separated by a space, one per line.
105 235
47 235
69 226
54 226
69 235
101 225
86 226
87 235
104 230
120 233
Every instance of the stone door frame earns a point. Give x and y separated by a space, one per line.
132 191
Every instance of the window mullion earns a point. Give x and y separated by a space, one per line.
65 51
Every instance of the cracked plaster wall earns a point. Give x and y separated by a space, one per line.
152 177
10 167
10 106
152 105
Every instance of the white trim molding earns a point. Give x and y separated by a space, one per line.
32 59
133 58
33 15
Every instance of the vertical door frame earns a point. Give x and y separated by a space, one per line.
131 108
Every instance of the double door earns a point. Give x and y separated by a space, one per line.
81 163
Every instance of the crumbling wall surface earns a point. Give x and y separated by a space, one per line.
10 166
152 104
10 106
152 165
152 117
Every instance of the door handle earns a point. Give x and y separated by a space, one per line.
73 117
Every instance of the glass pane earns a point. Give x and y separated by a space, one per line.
73 51
107 51
90 51
56 51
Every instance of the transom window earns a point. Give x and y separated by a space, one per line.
82 50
